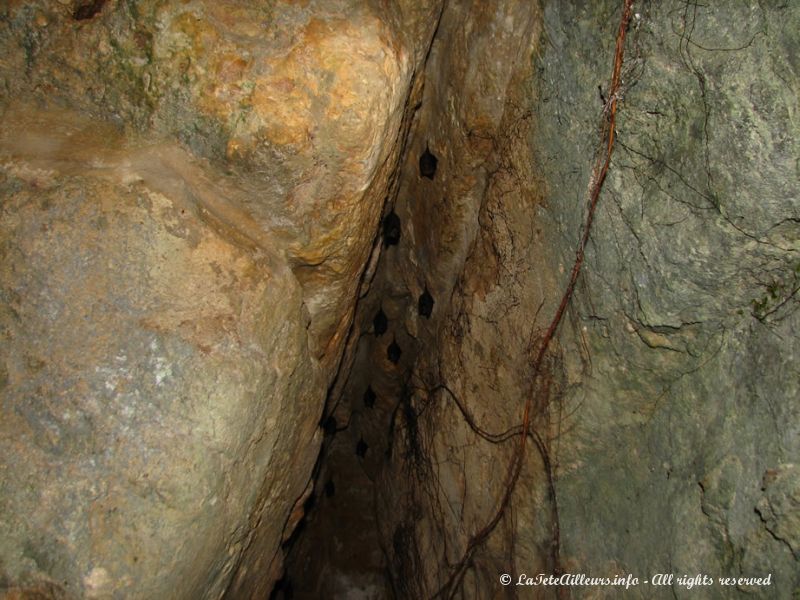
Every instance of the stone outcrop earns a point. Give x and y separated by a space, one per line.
194 276
688 315
666 413
474 119
191 193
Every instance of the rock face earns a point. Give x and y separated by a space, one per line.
473 118
145 402
687 414
191 192
666 418
194 272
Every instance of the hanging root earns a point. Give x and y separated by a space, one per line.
599 172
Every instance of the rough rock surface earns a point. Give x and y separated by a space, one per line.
688 412
474 95
191 197
190 194
670 420
145 404
302 100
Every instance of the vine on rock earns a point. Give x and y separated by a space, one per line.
598 176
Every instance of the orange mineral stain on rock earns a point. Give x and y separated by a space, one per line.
191 213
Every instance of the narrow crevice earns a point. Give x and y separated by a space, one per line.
388 401
88 10
351 299
339 535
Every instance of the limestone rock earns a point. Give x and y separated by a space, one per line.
303 100
153 407
695 246
672 386
780 506
191 191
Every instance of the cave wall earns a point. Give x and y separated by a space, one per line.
667 409
487 257
479 59
190 195
682 449
191 261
